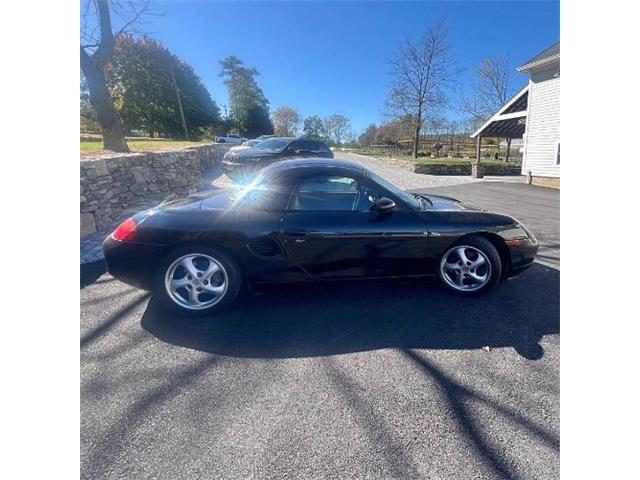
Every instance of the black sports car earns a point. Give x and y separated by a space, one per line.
312 220
242 165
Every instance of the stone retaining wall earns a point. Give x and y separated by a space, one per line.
109 186
465 169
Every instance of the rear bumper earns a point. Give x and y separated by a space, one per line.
132 263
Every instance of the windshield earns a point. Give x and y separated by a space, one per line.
273 144
406 197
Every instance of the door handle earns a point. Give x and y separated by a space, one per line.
297 235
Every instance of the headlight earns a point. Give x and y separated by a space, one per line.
530 234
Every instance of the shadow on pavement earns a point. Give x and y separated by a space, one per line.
90 272
315 320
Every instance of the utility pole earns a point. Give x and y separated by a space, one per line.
175 85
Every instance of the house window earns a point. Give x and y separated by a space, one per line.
558 154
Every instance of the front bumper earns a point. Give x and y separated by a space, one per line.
132 263
230 165
522 256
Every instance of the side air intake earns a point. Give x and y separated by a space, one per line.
265 247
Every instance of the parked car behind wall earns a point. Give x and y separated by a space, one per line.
242 164
230 138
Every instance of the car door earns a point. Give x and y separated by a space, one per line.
333 229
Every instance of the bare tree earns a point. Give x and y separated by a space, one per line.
423 71
493 88
95 54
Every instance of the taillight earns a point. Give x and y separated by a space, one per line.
125 231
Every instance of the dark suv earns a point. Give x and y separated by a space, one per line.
243 164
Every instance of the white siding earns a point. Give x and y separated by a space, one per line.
543 124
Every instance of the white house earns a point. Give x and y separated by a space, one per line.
534 115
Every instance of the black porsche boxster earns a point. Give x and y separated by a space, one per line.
312 220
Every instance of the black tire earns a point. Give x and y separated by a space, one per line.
495 272
230 268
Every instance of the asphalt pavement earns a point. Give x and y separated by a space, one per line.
394 380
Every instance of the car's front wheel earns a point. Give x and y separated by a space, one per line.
197 280
470 267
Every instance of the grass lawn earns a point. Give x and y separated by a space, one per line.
435 161
456 161
141 145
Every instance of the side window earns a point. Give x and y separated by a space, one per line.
313 147
294 146
367 198
326 192
306 146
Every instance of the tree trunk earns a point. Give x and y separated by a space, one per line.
508 150
110 125
416 141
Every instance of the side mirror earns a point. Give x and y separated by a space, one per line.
385 204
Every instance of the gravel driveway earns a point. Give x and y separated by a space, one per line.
403 177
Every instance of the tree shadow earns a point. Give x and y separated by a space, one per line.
458 396
111 321
376 427
90 272
315 320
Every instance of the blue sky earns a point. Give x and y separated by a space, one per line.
330 57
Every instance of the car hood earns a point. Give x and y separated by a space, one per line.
441 202
452 208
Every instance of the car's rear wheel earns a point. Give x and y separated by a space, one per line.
197 280
471 267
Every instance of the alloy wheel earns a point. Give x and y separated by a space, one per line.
465 268
196 281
